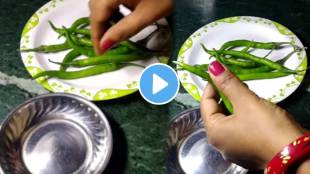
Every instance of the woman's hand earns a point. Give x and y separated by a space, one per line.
256 131
145 12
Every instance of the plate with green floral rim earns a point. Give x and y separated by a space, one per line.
100 87
214 34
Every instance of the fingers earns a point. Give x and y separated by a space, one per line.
231 86
122 30
143 15
209 107
97 30
101 11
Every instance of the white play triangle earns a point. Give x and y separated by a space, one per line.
158 84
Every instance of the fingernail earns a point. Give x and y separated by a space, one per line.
107 44
216 68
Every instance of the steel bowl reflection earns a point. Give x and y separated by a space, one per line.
55 133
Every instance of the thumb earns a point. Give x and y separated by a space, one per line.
237 92
122 30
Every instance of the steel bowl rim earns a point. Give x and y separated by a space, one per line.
109 137
178 116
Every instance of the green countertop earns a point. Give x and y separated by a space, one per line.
140 128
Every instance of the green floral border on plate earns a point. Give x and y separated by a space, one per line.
192 89
54 85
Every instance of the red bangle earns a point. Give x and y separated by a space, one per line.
296 152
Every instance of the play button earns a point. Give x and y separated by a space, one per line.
159 84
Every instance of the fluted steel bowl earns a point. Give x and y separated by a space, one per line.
189 150
55 134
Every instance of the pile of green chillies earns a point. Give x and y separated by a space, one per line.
78 42
243 64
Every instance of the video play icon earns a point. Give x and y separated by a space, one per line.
159 84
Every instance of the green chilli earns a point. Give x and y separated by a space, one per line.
256 59
49 48
229 61
253 44
81 49
107 58
73 54
95 70
262 75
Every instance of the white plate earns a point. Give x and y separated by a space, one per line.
213 35
101 87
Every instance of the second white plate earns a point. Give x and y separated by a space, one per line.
213 35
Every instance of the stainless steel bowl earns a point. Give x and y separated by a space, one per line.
55 134
189 151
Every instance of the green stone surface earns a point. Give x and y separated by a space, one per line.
13 16
11 96
140 128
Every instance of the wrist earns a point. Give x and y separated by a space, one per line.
279 142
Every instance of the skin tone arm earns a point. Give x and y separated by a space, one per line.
145 12
256 131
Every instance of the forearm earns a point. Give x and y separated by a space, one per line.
304 168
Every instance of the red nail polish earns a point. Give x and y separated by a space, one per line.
216 68
107 44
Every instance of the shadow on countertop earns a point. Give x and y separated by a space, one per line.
119 155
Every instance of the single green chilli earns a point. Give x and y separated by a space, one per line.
262 68
204 67
73 54
57 30
79 22
263 75
49 48
95 70
240 70
107 58
253 44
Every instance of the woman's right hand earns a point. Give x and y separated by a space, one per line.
256 131
145 12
